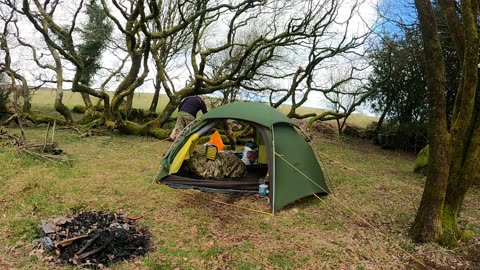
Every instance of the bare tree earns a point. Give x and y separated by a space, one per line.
8 16
242 45
248 55
344 98
321 45
454 149
166 50
61 39
57 68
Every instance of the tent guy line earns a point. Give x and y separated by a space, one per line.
358 216
375 229
330 205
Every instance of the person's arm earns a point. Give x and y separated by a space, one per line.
203 106
181 103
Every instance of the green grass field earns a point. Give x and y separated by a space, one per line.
42 100
362 225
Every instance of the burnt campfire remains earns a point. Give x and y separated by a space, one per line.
92 239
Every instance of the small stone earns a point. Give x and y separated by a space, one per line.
47 243
61 221
48 226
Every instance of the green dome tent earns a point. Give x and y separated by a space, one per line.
290 164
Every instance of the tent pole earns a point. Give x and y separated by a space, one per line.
272 190
182 132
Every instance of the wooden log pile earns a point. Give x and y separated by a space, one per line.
47 150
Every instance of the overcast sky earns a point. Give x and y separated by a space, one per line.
366 14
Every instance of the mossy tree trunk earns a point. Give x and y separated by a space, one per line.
427 225
128 127
324 116
158 50
25 95
58 69
454 151
23 90
124 92
155 98
138 45
86 100
127 108
60 107
229 134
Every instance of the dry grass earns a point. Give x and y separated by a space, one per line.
190 231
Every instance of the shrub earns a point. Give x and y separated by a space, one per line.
4 97
324 128
351 131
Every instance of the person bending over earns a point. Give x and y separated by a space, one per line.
187 112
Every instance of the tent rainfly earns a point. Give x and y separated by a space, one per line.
289 162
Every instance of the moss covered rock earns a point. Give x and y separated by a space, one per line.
90 116
79 109
421 164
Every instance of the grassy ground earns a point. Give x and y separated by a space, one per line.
190 231
362 225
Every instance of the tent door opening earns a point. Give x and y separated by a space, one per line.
256 173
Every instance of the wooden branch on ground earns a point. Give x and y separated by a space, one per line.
45 156
83 134
47 150
88 244
13 139
69 241
10 119
46 137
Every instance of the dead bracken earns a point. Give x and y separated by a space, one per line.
92 239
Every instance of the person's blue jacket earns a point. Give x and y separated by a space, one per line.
192 105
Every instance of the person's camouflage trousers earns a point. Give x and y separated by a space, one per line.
183 119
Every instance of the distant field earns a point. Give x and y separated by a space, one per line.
44 100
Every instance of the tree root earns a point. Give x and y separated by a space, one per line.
132 128
96 123
34 117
